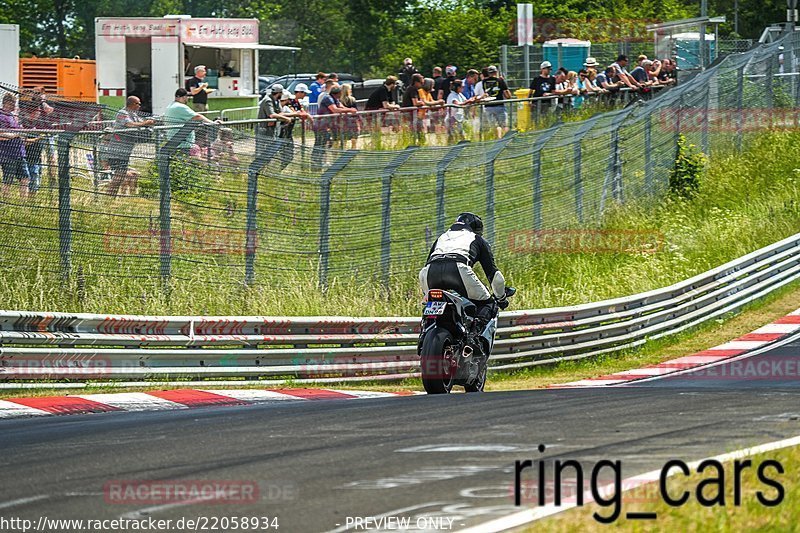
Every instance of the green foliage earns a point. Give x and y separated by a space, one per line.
684 178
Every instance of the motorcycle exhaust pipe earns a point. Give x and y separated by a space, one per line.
467 353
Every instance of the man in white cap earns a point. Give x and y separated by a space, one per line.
544 83
300 101
446 83
270 108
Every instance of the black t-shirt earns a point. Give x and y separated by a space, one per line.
444 86
202 96
541 85
495 87
408 96
378 97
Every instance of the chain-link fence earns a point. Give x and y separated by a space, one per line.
520 64
237 207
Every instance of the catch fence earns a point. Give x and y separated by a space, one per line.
234 207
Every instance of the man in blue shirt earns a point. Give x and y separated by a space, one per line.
316 87
469 83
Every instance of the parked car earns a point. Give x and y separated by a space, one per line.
264 82
290 81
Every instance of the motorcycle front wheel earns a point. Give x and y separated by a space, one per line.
438 361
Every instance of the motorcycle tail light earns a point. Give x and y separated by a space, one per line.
435 294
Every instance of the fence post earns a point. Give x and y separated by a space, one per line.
704 132
386 210
739 108
163 157
544 137
648 156
578 183
527 49
770 88
678 117
491 156
326 181
504 59
64 142
441 170
251 232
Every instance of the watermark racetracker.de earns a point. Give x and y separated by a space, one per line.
570 241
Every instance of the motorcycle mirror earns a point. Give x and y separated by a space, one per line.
510 291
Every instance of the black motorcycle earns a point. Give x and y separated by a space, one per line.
455 344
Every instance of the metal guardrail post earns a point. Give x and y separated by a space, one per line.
64 142
491 156
386 210
326 181
441 170
251 236
739 107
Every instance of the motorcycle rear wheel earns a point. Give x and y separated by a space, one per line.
438 374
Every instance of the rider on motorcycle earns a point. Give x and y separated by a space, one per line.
450 263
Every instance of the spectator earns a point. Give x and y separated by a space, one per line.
426 97
640 73
316 87
668 74
437 77
351 124
12 149
289 112
605 79
329 83
300 102
122 144
269 111
222 148
383 96
178 113
324 127
590 63
334 77
479 92
495 112
198 89
544 83
622 75
31 117
411 94
455 119
469 82
640 59
407 72
444 86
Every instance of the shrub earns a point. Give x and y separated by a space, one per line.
684 178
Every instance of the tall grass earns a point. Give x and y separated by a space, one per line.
745 201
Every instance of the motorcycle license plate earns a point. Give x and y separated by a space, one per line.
434 308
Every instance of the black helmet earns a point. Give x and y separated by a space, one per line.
472 221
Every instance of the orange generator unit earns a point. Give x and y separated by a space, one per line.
73 79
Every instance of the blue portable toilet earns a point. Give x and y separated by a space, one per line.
686 49
567 53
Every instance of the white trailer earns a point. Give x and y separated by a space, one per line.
152 57
9 54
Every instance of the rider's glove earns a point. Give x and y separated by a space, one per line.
502 303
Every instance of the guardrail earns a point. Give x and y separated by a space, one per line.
40 346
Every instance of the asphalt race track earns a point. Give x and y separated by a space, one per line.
444 457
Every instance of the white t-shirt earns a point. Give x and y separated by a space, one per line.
456 112
479 89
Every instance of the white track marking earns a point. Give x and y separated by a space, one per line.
724 361
530 515
253 395
778 328
740 345
14 410
23 501
133 401
365 393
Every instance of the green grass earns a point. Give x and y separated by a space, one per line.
745 202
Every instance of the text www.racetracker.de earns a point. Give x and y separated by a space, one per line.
200 523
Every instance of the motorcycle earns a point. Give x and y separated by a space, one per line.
454 347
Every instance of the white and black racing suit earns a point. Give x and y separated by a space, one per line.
450 265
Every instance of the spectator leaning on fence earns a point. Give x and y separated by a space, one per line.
668 73
179 113
479 92
469 83
383 97
544 83
621 74
455 119
31 111
12 149
495 112
324 125
122 143
269 111
351 126
640 73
